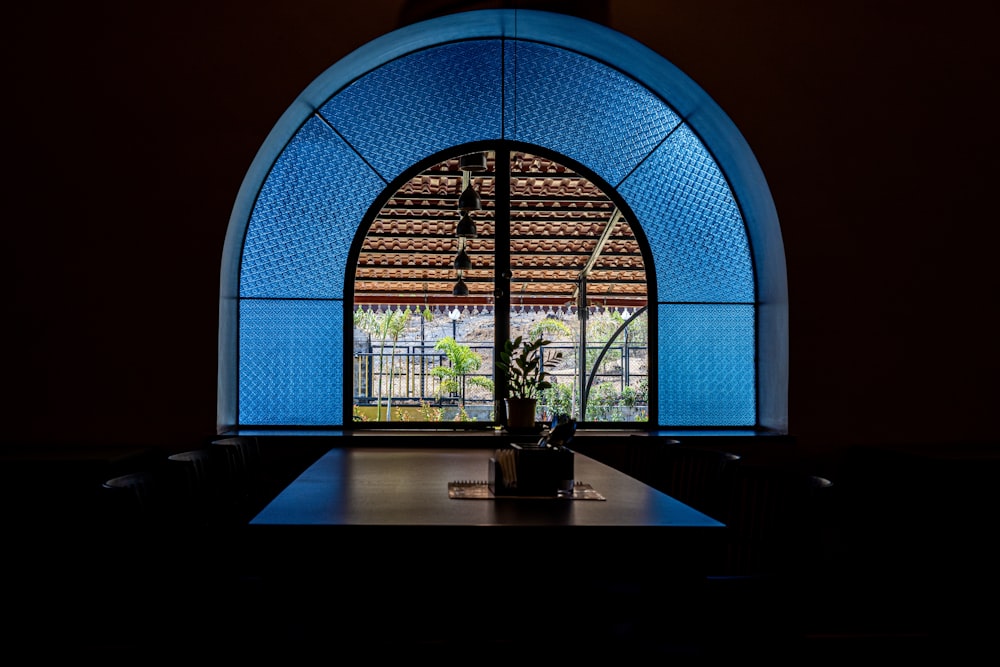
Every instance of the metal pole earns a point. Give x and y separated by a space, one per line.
581 316
501 274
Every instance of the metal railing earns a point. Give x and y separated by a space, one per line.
403 376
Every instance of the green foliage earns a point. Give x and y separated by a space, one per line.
463 362
463 416
642 392
606 403
557 399
383 326
549 326
600 328
605 394
637 330
525 366
629 397
601 401
431 413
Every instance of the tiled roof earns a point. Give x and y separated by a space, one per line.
557 221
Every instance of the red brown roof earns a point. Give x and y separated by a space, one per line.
557 221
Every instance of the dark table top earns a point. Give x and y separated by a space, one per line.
370 535
361 486
378 521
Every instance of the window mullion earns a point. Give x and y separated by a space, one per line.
501 271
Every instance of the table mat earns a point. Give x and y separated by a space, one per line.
480 490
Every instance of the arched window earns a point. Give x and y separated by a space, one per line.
490 246
519 82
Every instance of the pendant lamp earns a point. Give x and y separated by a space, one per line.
473 162
462 261
466 226
469 200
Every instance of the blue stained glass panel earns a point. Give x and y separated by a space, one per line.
305 219
291 362
423 103
693 225
420 100
707 366
582 109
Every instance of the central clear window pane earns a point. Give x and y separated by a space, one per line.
425 312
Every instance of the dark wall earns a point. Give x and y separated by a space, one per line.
129 129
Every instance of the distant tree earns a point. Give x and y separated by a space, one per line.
547 327
383 327
463 361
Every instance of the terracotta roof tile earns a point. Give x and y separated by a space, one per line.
556 220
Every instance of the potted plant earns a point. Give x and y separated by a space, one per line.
526 371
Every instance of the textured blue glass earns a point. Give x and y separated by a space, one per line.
694 228
707 374
305 219
414 100
291 362
427 102
582 109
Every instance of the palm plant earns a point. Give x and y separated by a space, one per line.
385 326
463 362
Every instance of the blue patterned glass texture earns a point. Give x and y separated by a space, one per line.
304 221
421 104
309 208
291 362
707 372
693 225
582 109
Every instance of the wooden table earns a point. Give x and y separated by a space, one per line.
403 487
373 530
352 497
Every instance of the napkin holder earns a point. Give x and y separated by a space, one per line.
537 471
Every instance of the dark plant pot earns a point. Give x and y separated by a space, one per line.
521 412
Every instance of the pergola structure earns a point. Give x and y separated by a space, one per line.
564 234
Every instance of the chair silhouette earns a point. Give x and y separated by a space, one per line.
244 469
763 582
776 520
693 475
201 483
135 499
640 456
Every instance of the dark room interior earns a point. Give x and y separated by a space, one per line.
130 130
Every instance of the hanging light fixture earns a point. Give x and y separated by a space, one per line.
462 260
473 162
469 200
466 226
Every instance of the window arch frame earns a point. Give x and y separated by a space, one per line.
698 112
